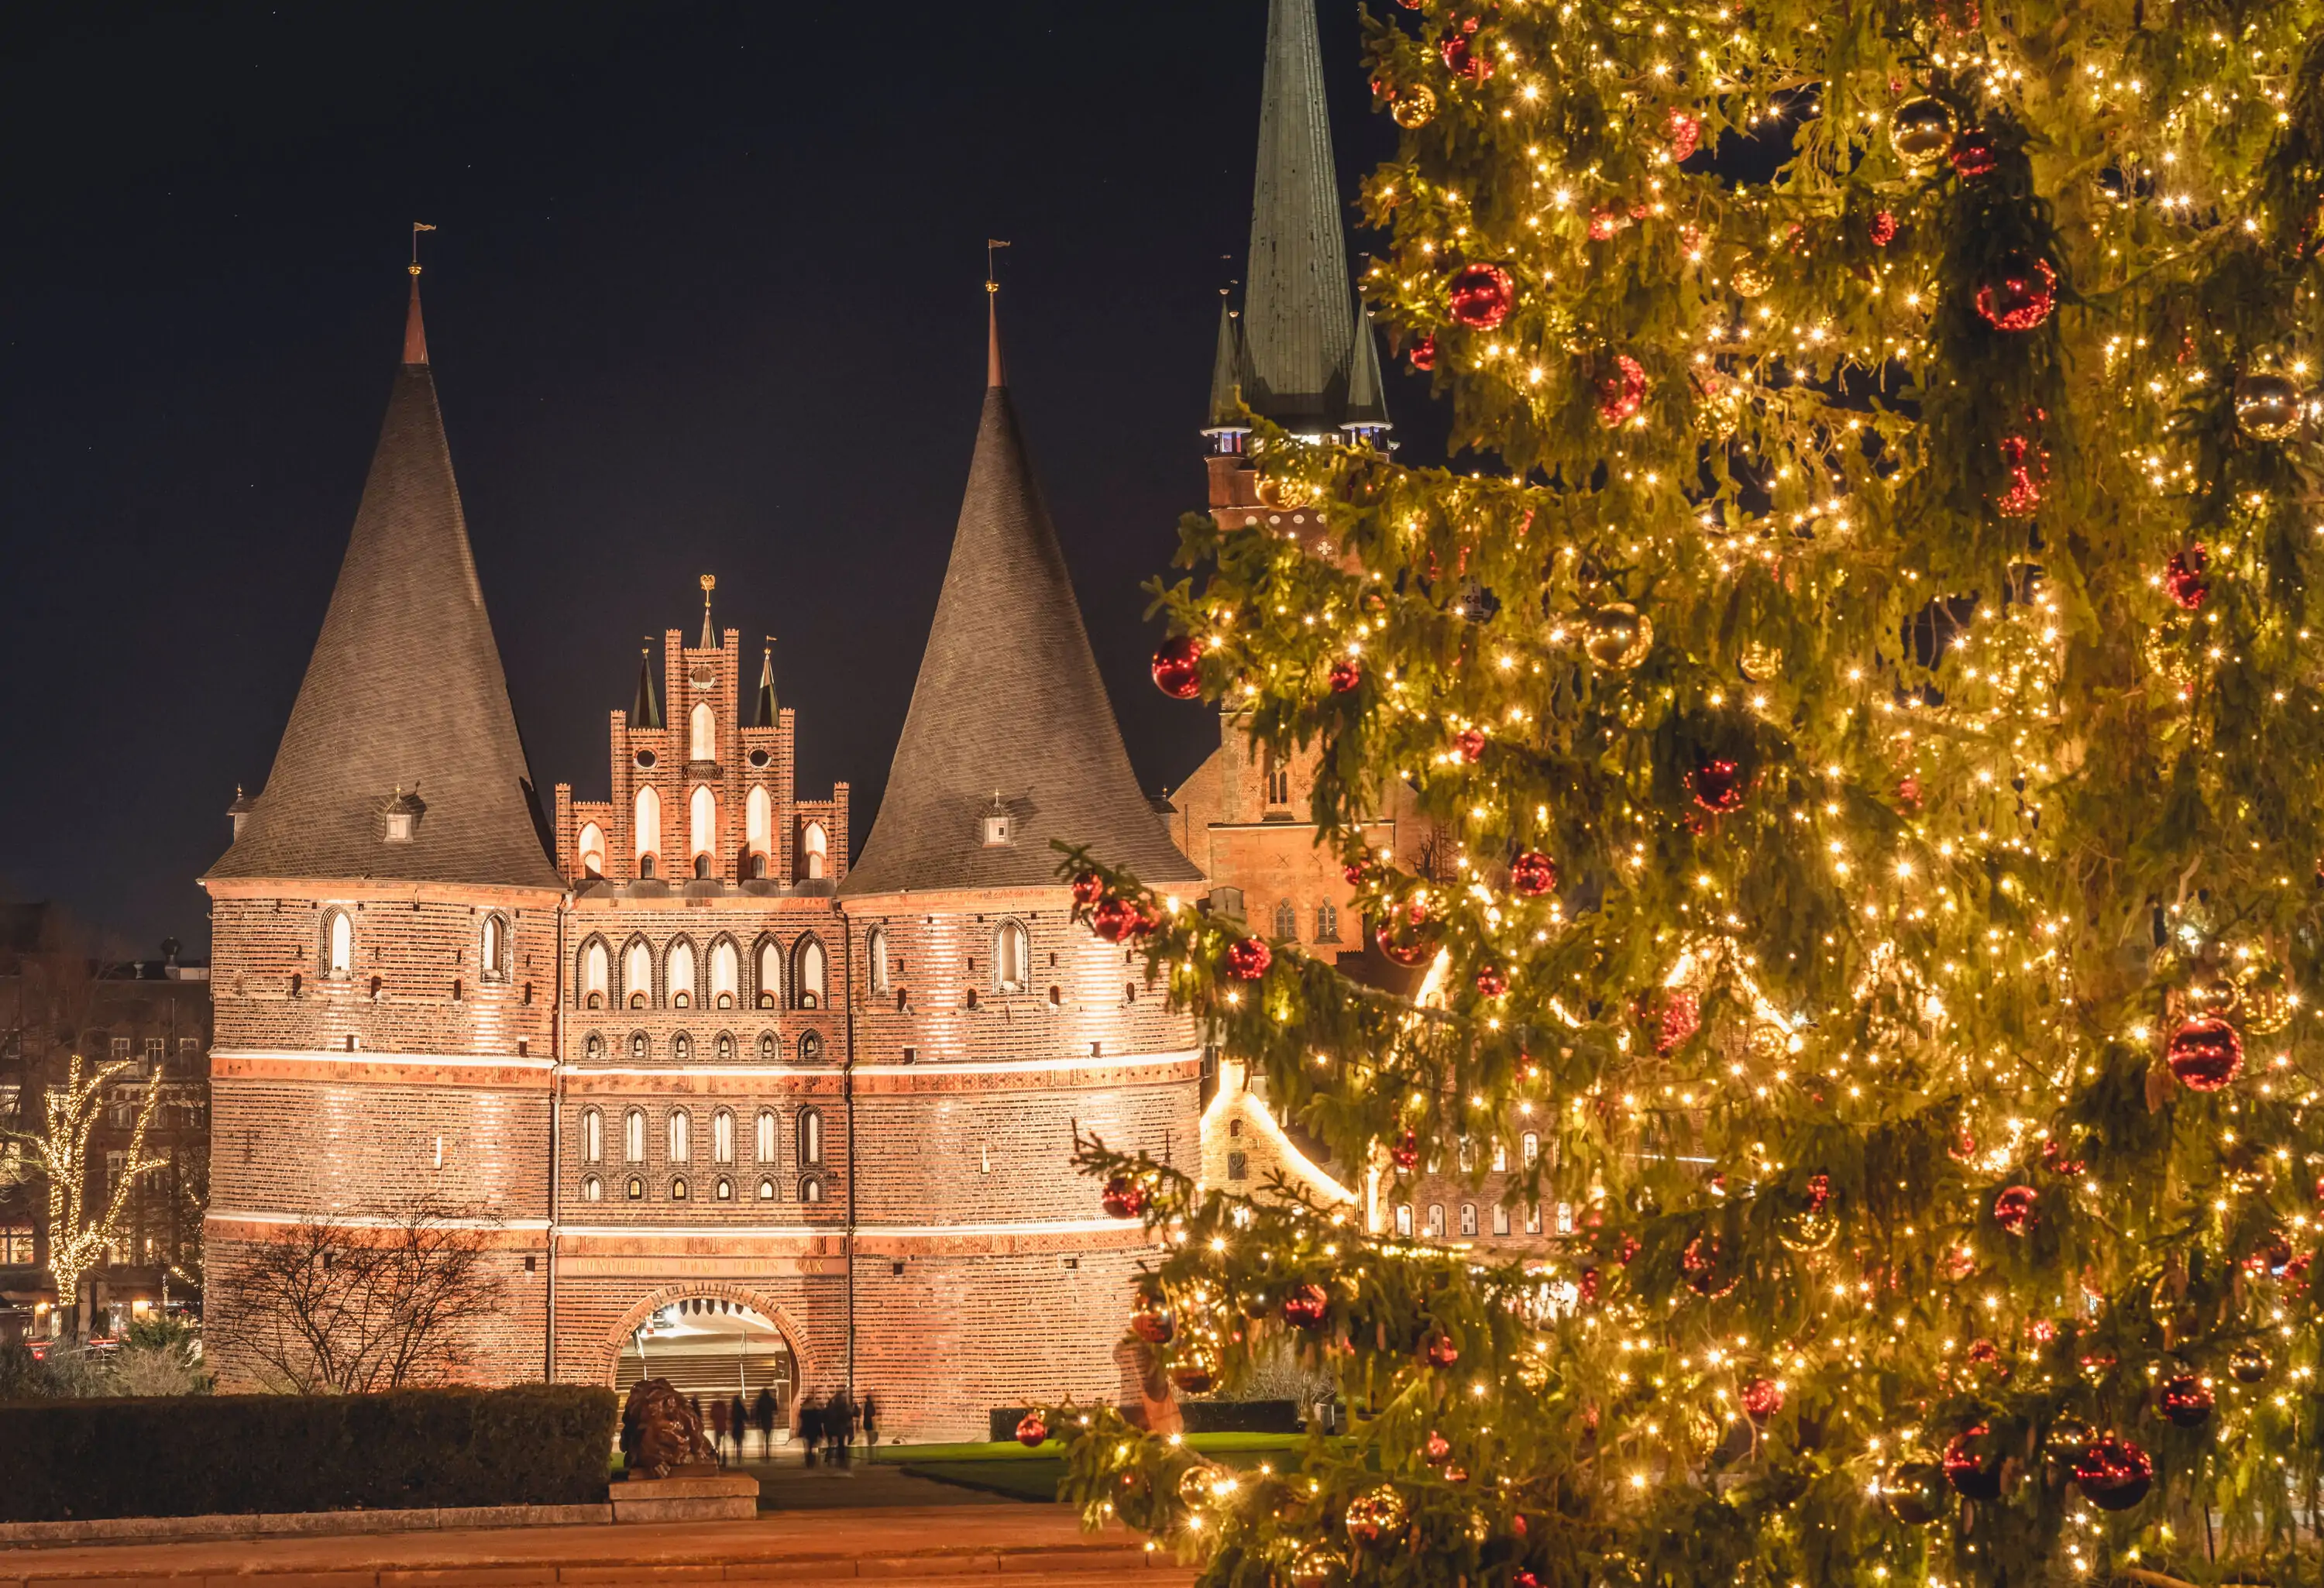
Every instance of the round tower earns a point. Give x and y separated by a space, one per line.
987 1026
385 942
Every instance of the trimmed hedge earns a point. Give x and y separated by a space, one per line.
204 1454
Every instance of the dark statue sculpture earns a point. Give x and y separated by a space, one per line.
661 1434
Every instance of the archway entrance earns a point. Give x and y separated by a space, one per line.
715 1350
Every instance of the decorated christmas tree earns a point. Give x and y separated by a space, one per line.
1865 668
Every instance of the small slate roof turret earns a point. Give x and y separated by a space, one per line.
1228 372
1297 310
1008 698
404 691
765 714
1367 396
645 712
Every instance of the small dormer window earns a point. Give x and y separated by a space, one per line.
997 827
401 817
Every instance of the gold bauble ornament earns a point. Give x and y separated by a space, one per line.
1277 491
1196 1484
1760 663
1921 131
2248 1365
2165 650
1618 636
1749 278
1808 1231
1316 1566
1377 1515
1415 108
1767 1041
2268 407
2268 1005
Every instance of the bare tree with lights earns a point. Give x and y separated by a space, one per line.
83 1226
1871 686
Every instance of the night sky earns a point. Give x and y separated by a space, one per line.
706 297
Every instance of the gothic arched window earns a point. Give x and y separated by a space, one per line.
594 967
702 733
649 827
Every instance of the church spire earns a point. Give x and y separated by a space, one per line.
404 691
766 713
1367 413
709 634
1297 310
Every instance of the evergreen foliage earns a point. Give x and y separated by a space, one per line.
1919 1026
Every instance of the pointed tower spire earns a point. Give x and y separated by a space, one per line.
1297 310
1226 373
404 691
709 634
1009 700
646 712
766 713
1367 396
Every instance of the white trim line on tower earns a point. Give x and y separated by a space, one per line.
1018 1066
1027 1227
358 1221
504 1061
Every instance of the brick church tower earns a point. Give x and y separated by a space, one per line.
385 922
988 1026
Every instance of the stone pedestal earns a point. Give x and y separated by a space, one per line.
725 1497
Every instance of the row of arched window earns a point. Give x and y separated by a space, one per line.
1011 960
335 947
702 836
681 1189
677 1136
688 980
1435 1227
724 1047
680 1150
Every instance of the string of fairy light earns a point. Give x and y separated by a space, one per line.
1719 406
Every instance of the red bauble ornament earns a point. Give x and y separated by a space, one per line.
1123 1197
2113 1475
1603 224
1718 786
2021 297
1973 1463
1247 958
1305 1306
1406 1153
1962 1146
1973 154
1345 676
1179 668
1819 1192
2183 576
1440 1351
1762 1399
1586 1291
1423 355
2029 470
1153 1324
2014 1211
1908 791
1672 1014
2054 1158
1706 1274
1088 889
1686 134
1436 1447
1469 745
1534 873
1355 874
1031 1430
2205 1053
1463 60
1883 230
2185 1401
1481 296
1118 919
1621 392
1492 981
1407 935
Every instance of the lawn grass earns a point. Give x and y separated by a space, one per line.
1009 1468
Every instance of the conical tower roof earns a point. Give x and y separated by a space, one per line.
1229 369
404 696
765 713
1299 313
1008 701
